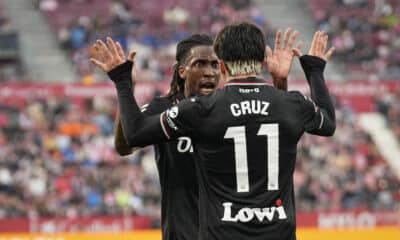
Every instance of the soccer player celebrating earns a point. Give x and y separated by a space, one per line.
244 135
196 72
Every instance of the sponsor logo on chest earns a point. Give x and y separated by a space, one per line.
247 214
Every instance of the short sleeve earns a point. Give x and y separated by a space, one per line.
156 106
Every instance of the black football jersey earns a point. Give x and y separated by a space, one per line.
244 138
179 188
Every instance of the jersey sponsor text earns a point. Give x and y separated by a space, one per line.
247 214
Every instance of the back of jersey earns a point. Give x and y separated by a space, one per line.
246 150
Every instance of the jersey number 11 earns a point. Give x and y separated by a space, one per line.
238 134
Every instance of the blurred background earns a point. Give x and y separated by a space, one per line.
59 171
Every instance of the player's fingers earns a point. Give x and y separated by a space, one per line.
278 40
329 53
318 43
297 50
99 64
313 43
321 42
113 47
292 39
132 55
103 49
120 51
324 43
97 50
102 52
286 37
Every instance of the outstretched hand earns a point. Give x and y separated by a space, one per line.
280 60
109 56
318 47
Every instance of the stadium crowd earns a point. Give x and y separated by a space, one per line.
355 175
388 104
57 159
151 27
9 59
57 156
366 34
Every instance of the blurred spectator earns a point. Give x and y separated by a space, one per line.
48 5
344 173
365 34
10 68
151 25
388 104
58 159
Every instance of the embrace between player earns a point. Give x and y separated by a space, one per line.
244 159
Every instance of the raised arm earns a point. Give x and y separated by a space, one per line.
280 59
138 129
313 65
121 146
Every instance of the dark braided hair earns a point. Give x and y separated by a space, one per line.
182 52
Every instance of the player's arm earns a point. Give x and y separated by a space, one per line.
138 129
121 146
313 65
280 60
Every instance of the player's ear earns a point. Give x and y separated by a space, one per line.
222 66
182 72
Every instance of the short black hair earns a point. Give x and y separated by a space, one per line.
182 52
240 42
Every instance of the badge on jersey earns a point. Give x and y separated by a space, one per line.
173 112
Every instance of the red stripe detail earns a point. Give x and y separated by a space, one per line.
163 125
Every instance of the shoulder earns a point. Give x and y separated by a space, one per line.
205 103
157 105
194 106
302 100
296 96
188 104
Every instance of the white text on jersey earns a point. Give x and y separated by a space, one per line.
184 145
247 214
249 90
249 107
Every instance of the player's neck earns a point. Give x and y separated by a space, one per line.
228 78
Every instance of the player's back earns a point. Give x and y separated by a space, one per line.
246 149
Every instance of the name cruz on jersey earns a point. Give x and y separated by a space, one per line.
249 107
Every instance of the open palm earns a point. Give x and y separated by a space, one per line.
109 56
280 60
318 47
